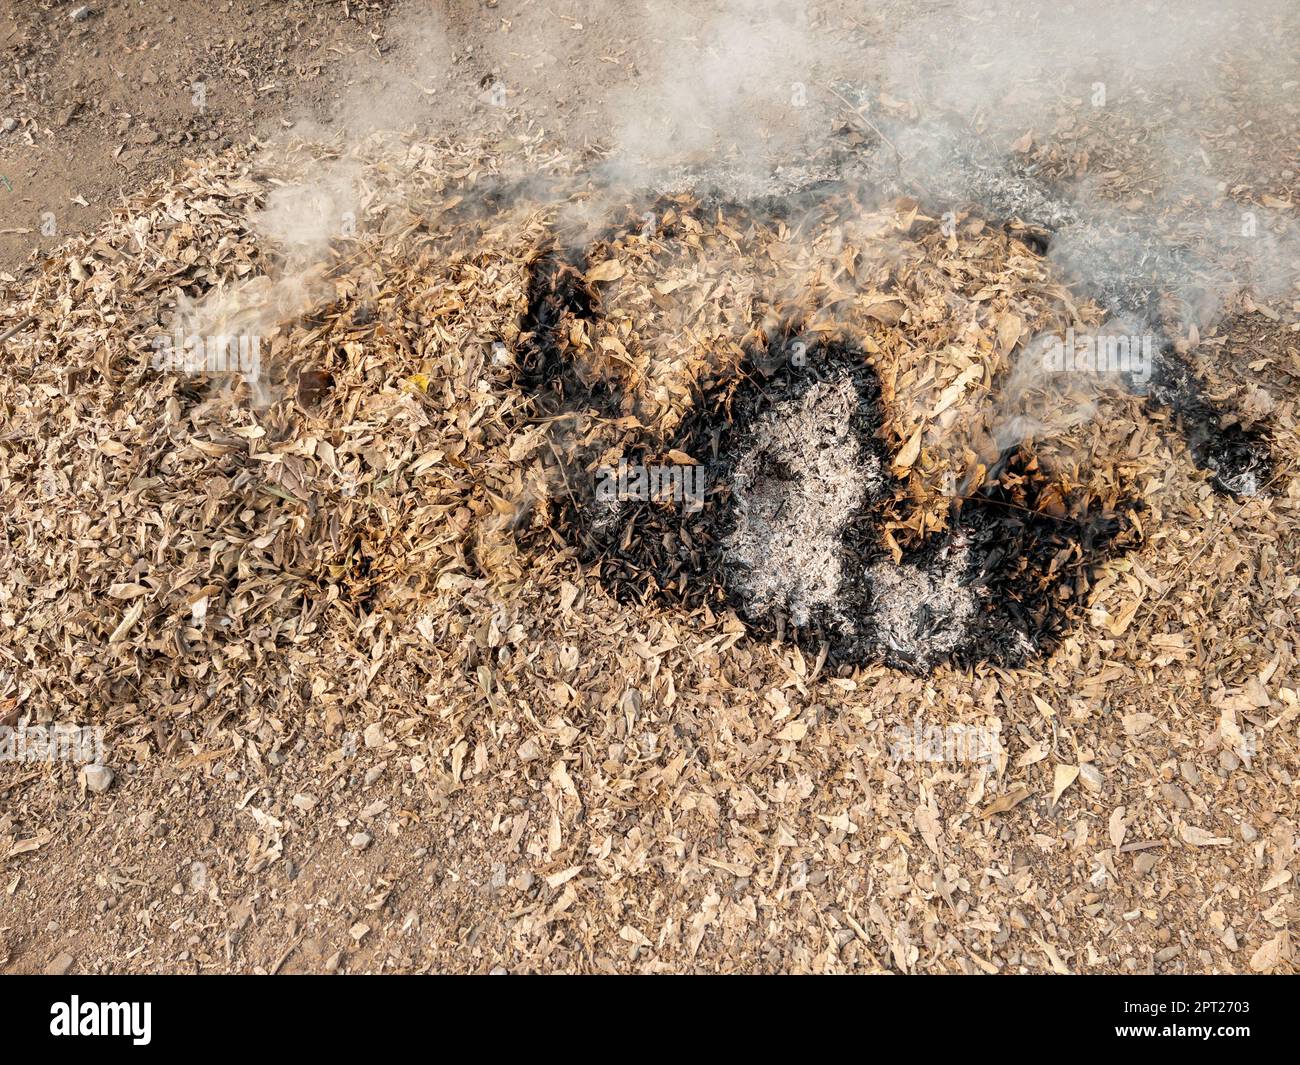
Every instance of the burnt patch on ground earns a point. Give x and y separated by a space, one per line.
1237 458
772 499
557 294
1031 552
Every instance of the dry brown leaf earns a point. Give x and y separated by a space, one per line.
909 452
1117 827
609 270
1272 954
1003 803
1062 778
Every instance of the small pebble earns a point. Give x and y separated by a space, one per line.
361 841
60 965
99 778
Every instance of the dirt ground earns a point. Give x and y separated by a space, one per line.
105 104
479 827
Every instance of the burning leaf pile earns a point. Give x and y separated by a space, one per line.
845 376
821 419
803 526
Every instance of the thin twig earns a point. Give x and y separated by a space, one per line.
13 330
293 945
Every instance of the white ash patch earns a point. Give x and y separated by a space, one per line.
606 514
1243 483
923 614
796 486
957 167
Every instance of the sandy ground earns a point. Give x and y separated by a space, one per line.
169 871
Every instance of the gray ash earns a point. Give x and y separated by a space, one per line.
1126 270
922 611
961 168
794 489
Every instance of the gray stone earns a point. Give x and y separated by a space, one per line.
60 965
99 778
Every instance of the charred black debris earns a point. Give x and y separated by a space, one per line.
790 536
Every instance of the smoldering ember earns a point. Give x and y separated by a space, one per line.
802 487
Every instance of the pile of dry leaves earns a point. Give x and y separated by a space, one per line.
375 535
